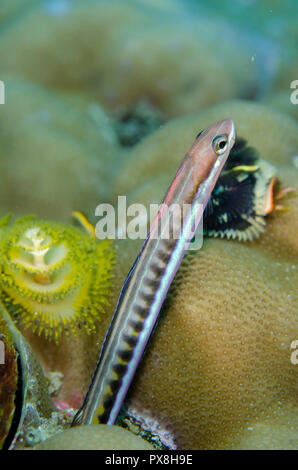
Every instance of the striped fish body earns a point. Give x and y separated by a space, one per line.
149 279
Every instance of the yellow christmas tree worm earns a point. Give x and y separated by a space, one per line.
53 277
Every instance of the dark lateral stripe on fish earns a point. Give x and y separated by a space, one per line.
149 279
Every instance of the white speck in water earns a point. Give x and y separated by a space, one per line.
57 7
250 429
253 57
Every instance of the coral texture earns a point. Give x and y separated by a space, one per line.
49 152
219 362
83 80
180 72
154 161
95 438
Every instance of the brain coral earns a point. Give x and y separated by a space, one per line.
156 158
55 152
281 101
217 373
281 93
128 51
152 163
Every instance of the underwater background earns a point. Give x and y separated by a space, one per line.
103 98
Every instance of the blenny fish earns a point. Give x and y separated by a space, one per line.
149 279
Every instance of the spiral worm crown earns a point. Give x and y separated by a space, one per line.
54 277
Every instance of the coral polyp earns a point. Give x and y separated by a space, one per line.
53 277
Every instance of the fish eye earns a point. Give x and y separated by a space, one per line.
219 144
